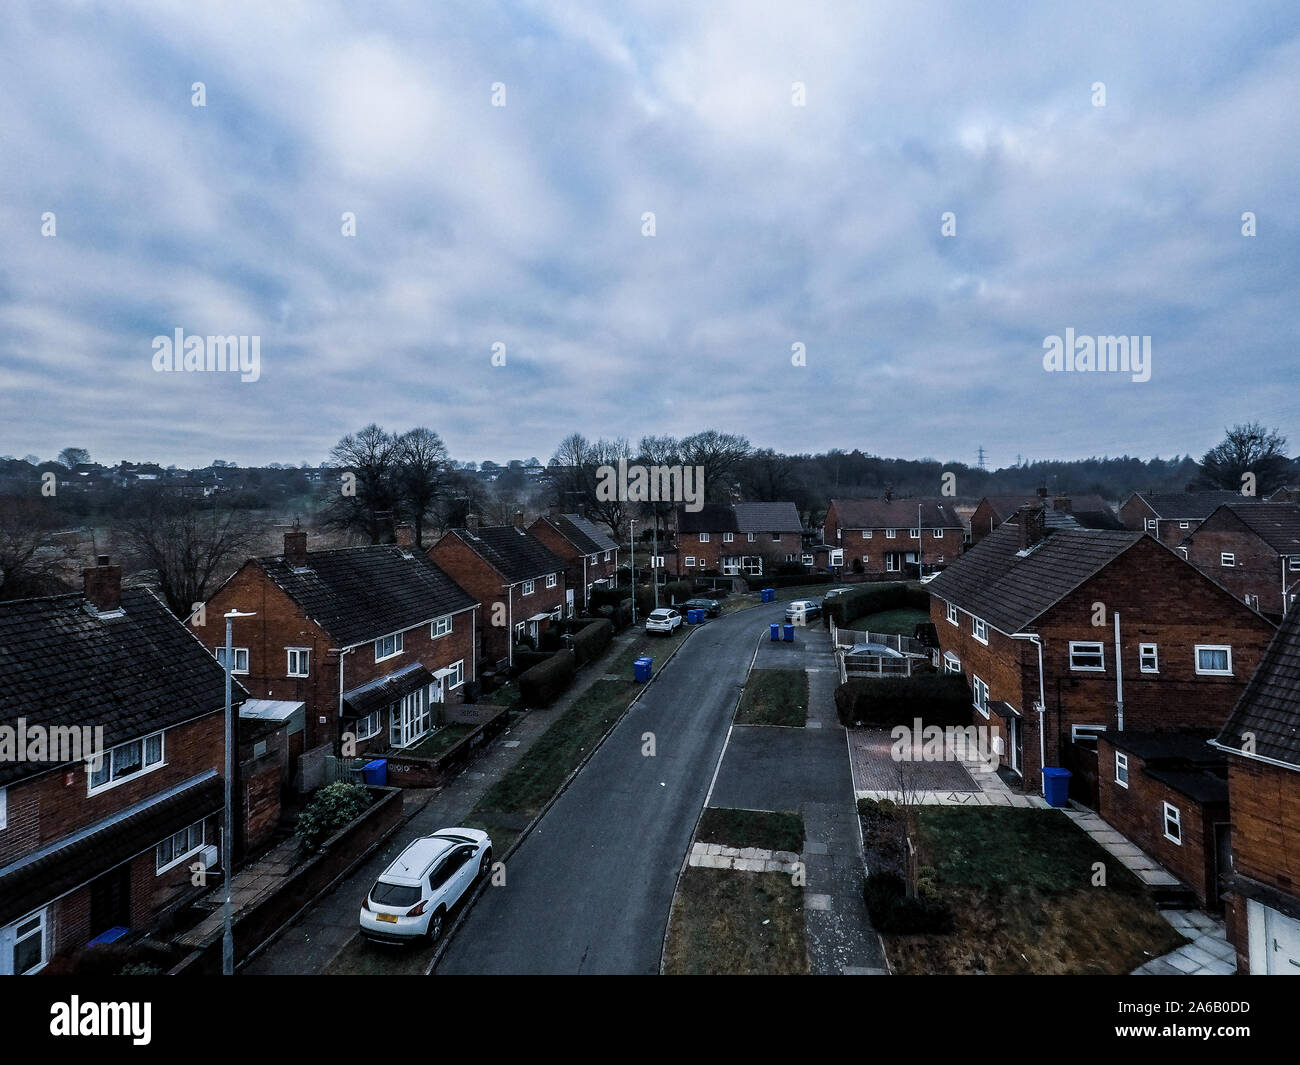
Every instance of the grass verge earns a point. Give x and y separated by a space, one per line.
774 697
729 922
900 622
781 831
1021 885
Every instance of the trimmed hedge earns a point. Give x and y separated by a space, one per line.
676 592
622 615
937 699
608 596
545 682
526 659
789 580
872 598
591 641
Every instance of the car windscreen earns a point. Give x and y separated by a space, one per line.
394 894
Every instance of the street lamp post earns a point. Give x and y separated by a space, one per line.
631 532
228 829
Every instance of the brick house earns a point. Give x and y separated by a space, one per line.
1168 793
518 584
1084 512
590 556
1172 516
99 849
737 539
881 537
1262 743
1188 645
1253 550
368 639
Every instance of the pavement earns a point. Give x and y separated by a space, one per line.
807 770
589 890
1208 954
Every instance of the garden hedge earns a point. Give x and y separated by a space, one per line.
545 682
882 702
591 641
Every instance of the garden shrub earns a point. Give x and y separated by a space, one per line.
892 911
882 702
331 807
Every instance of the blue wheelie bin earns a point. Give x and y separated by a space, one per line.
375 773
789 633
1056 786
775 630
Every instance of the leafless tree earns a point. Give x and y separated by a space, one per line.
372 457
31 558
423 475
1246 449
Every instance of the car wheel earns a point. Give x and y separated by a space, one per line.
435 926
485 863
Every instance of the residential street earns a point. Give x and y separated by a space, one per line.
589 891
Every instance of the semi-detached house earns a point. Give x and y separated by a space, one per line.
882 537
1253 550
96 850
738 539
590 556
1033 618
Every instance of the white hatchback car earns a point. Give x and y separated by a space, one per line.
411 898
663 620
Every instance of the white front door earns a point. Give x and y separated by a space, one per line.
568 599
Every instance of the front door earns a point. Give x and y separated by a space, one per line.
1017 743
1222 859
568 599
110 901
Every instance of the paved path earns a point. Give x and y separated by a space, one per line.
1208 954
807 770
590 889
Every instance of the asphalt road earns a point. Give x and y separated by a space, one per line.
589 890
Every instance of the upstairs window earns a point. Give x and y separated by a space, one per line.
704 538
550 580
124 761
1227 558
1148 658
528 588
240 655
1173 824
891 534
728 537
952 614
979 629
299 664
1087 656
1214 660
389 646
1121 769
440 627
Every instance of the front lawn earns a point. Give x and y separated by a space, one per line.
441 740
726 922
899 622
752 828
1020 884
774 697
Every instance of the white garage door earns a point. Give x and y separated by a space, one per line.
1274 942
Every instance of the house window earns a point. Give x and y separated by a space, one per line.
1151 525
936 534
1121 769
807 560
866 560
388 646
178 846
240 655
839 535
1184 524
528 588
951 663
891 560
1293 562
1087 657
126 760
837 556
550 580
368 726
704 538
728 537
891 534
979 629
1214 660
1173 824
915 534
866 534
27 952
1148 658
609 555
754 565
776 537
440 627
1227 558
952 613
731 565
752 537
299 661
455 675
690 560
409 719
981 693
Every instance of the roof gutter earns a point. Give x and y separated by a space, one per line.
1253 757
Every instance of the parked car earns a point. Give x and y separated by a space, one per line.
709 606
803 609
929 577
873 650
411 898
663 620
835 593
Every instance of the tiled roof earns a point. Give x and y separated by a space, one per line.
1189 505
1086 511
515 554
583 534
361 593
1277 524
895 514
995 582
767 517
1269 708
132 675
711 518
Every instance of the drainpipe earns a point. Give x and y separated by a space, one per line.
1119 678
1283 559
337 742
1037 641
510 624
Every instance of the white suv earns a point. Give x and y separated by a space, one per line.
411 898
663 620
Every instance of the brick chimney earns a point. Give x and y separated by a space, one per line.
553 510
471 521
1063 505
103 585
1031 524
295 547
405 536
519 519
1042 491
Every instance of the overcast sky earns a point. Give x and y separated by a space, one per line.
774 224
